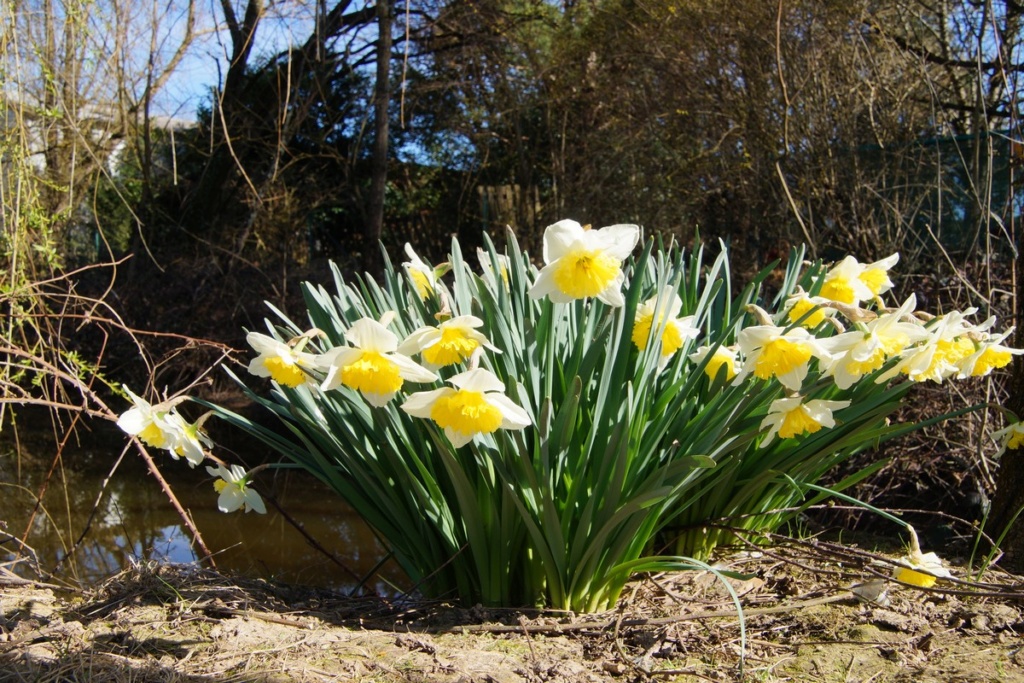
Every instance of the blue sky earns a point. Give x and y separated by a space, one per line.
203 68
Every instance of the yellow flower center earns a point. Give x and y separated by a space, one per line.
780 356
869 364
797 421
219 485
956 350
990 359
372 374
466 412
801 308
875 279
584 273
894 344
671 339
915 578
455 346
719 359
421 282
838 289
153 436
1015 441
283 372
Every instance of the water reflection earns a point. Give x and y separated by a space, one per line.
134 522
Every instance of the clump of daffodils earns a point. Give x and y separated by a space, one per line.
520 433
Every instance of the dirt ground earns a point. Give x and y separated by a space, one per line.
811 611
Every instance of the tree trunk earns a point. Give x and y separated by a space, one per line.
379 161
1008 500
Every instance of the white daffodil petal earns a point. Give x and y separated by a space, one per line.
262 343
618 241
422 402
545 285
419 339
793 379
378 400
370 335
478 379
133 421
411 371
612 294
254 502
559 239
513 416
457 438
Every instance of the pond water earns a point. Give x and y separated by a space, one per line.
133 521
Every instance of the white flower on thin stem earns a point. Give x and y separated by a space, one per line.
423 276
1010 437
851 282
192 442
286 365
233 486
790 417
487 268
152 424
724 356
584 263
876 275
816 309
772 351
659 312
371 365
477 405
453 341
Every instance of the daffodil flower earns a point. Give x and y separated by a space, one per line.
864 350
876 275
191 442
790 417
477 405
991 354
152 424
286 365
584 263
371 365
233 486
651 315
851 282
487 268
772 351
1010 437
451 342
423 276
799 305
724 356
920 569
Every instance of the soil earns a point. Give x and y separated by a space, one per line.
811 611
